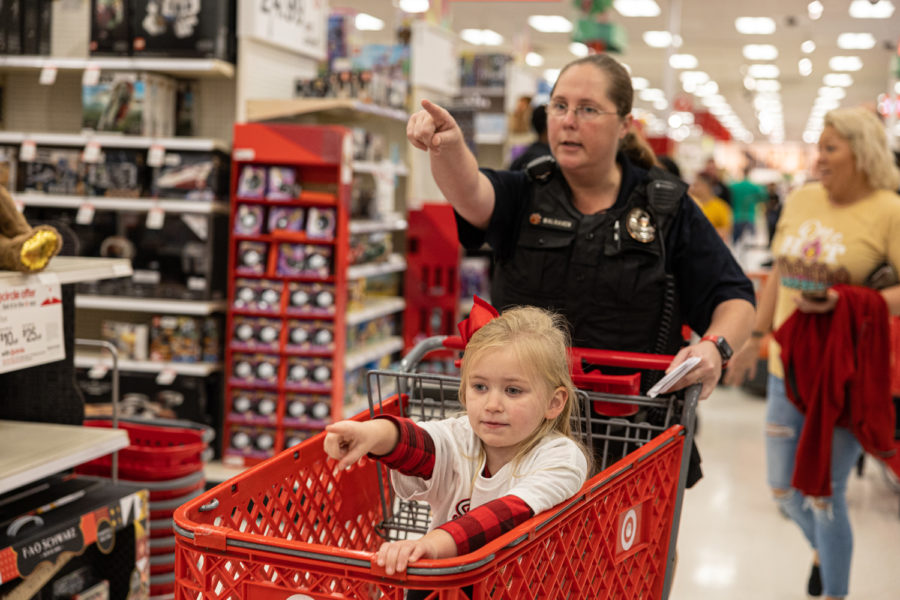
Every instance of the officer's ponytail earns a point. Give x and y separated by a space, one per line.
638 151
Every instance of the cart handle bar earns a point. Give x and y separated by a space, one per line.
610 358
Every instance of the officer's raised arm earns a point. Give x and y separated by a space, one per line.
453 166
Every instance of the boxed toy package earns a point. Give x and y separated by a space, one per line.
252 406
130 339
135 103
54 171
196 29
283 184
249 441
121 173
262 295
192 175
249 219
110 27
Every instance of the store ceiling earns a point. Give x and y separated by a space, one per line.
707 28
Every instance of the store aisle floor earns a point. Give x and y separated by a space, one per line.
735 544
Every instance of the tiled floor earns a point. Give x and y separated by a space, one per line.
735 545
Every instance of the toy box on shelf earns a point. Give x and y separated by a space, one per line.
288 257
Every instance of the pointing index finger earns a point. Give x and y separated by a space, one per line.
440 115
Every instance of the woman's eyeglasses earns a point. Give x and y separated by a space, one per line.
584 112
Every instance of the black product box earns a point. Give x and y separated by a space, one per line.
97 532
31 27
54 171
45 26
192 176
198 29
11 20
110 27
121 173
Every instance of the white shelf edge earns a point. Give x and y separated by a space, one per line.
121 204
94 443
84 360
286 108
201 66
161 305
374 309
392 222
107 140
367 354
371 166
72 269
396 264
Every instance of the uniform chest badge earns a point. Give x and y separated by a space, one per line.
639 226
535 218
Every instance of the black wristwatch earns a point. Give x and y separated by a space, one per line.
722 346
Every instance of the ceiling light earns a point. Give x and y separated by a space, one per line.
578 49
551 75
651 94
837 80
760 52
856 41
832 93
810 137
481 37
805 67
657 39
533 59
637 8
413 6
696 77
864 9
683 61
366 22
749 83
660 104
755 25
767 85
815 9
845 63
808 47
897 87
639 83
550 23
763 71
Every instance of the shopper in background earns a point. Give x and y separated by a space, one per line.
773 209
745 195
511 456
836 231
539 147
720 188
714 208
621 251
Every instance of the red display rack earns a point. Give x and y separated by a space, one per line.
432 275
285 338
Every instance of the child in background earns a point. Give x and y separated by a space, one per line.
511 456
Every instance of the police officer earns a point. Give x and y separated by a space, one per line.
622 252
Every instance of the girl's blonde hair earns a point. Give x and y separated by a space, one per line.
868 142
540 340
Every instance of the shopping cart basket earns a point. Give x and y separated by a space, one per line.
295 527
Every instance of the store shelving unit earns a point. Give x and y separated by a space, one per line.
184 67
31 451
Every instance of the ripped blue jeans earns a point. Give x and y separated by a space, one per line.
824 521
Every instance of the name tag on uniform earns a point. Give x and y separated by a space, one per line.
551 222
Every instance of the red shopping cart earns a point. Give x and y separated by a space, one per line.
295 527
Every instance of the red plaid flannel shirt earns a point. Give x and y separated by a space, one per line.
414 455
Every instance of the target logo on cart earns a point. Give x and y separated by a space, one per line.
629 531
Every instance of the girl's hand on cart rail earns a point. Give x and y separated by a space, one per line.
708 370
348 441
395 556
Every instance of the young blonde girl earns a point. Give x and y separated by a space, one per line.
511 456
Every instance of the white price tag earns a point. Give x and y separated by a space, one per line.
155 218
91 75
98 371
166 376
85 214
48 75
91 152
28 151
121 270
156 155
31 324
